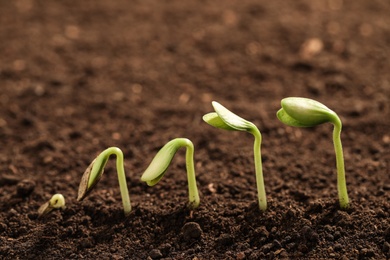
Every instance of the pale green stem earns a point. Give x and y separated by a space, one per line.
341 181
192 188
259 170
121 177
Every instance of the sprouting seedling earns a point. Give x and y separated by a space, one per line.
225 119
57 201
95 170
304 112
163 158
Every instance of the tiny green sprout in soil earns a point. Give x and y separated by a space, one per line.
57 201
95 170
304 112
163 158
224 119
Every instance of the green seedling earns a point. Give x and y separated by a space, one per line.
163 158
304 112
56 202
95 170
224 119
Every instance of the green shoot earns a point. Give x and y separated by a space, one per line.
304 112
163 158
56 202
95 170
225 119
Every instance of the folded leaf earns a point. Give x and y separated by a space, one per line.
306 112
160 163
231 119
214 120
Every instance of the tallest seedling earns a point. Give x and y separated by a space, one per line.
304 112
225 119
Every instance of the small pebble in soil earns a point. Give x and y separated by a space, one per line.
25 187
191 230
309 234
155 254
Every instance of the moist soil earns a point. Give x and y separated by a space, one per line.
77 77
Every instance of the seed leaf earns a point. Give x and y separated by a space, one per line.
160 163
304 112
214 120
231 119
288 120
92 176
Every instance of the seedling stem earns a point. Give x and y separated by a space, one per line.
95 170
163 158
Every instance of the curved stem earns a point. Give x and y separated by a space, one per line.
121 177
259 170
341 181
192 188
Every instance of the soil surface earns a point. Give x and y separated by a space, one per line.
77 77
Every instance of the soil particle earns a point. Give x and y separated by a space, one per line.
309 234
25 187
191 230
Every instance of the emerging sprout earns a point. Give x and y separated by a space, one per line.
304 112
95 170
225 119
56 202
163 158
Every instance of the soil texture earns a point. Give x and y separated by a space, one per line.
77 77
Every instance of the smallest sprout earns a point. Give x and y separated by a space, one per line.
163 158
56 202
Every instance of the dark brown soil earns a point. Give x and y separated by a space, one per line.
79 76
